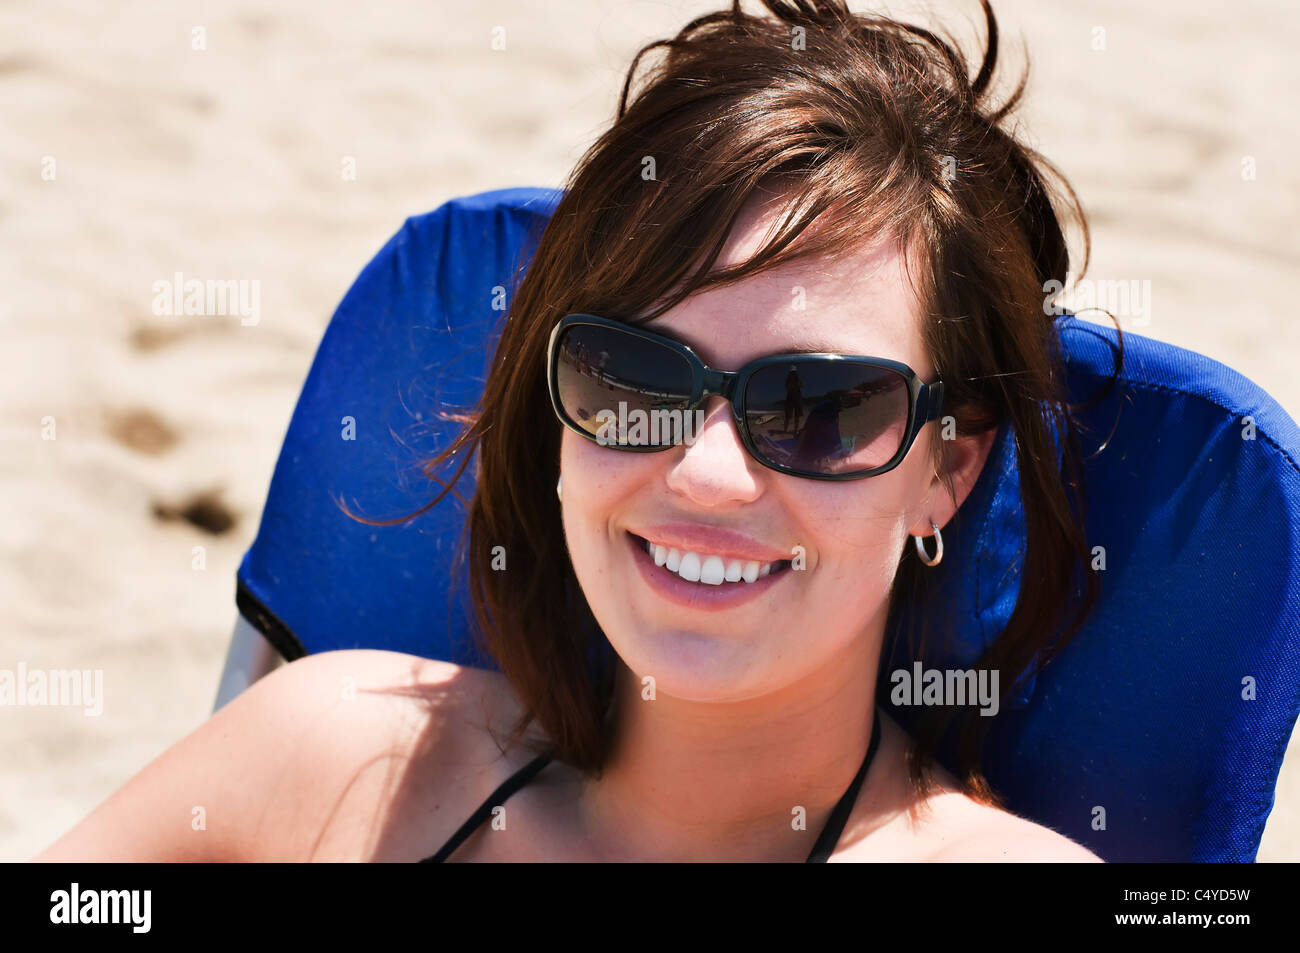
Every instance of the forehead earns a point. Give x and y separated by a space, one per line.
858 303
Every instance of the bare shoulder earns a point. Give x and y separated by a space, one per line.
347 704
382 683
946 825
313 762
974 832
376 739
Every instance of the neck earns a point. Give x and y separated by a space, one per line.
720 781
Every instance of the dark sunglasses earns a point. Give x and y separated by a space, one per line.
820 416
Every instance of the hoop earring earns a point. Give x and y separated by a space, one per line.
557 489
938 552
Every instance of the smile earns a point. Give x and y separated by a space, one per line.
706 568
704 580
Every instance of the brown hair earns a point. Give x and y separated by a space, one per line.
885 133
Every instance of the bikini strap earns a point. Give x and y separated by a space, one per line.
495 799
830 835
821 851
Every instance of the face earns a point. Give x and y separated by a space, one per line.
835 546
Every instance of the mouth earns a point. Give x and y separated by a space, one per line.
706 569
704 580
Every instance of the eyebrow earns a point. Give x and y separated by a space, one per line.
815 347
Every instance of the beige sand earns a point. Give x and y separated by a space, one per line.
226 162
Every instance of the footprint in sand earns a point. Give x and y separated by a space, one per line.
141 430
203 509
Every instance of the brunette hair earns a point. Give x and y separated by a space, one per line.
883 131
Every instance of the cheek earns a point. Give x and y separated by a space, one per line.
601 487
858 533
596 479
598 484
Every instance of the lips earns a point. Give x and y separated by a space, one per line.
703 539
700 593
710 569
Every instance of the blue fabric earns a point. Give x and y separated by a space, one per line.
1143 716
409 336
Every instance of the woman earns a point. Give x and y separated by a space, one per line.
690 639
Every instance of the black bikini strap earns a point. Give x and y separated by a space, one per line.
821 851
496 798
830 835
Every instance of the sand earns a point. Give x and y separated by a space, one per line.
226 162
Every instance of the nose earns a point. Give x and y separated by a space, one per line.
715 469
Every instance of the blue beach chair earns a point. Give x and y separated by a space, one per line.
1171 709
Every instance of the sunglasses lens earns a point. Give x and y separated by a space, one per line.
622 388
827 417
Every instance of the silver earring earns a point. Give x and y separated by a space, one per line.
938 552
557 489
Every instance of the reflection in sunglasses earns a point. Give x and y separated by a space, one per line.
654 428
817 416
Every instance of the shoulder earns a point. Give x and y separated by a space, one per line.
370 741
308 763
362 683
335 707
978 833
946 824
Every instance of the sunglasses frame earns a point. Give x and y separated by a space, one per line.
925 401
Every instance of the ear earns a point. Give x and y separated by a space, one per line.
966 459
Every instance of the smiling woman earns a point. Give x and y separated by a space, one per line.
827 243
832 256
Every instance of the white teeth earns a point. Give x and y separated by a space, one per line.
713 570
690 567
704 568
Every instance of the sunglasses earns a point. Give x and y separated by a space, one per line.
819 416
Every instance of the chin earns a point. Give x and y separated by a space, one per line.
692 666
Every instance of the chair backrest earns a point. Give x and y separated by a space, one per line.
1158 733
